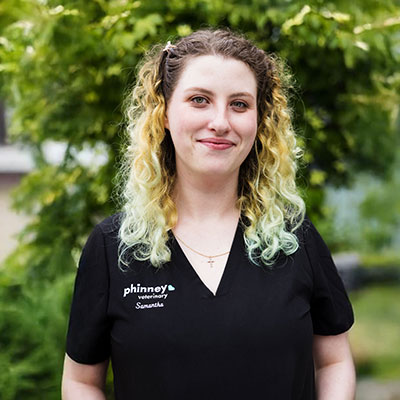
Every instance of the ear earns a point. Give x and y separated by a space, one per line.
166 123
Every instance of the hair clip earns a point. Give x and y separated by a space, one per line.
168 46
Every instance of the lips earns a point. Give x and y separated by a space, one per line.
216 143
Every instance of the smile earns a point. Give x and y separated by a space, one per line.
217 144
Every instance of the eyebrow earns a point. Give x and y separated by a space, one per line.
210 93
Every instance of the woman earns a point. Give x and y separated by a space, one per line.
210 284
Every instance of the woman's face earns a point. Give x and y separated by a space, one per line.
212 116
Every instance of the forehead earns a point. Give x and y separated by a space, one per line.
216 72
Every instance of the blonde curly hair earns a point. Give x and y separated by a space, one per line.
270 205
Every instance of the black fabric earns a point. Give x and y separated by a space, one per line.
169 337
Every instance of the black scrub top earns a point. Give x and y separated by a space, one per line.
169 337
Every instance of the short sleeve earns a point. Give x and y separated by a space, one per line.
331 310
88 337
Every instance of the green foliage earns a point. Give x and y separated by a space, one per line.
380 212
388 259
33 324
378 316
366 217
64 68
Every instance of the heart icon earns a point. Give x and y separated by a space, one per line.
171 288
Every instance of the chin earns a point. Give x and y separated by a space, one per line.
218 172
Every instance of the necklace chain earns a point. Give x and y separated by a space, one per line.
210 258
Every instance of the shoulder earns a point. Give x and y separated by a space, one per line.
304 228
105 233
307 233
110 225
102 243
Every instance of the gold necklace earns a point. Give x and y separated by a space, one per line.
210 258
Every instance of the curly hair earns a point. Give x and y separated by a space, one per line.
270 206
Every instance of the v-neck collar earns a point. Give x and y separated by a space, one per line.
229 271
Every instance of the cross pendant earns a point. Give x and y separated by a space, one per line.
211 262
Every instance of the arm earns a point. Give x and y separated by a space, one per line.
334 368
83 381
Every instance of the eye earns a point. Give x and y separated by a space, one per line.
239 104
198 100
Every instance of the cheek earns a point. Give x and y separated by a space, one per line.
247 127
185 124
181 133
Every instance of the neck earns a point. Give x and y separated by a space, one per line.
206 199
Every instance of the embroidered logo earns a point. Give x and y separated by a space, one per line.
149 293
140 306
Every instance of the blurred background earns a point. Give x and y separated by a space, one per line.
65 67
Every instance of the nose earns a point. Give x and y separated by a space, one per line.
219 121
